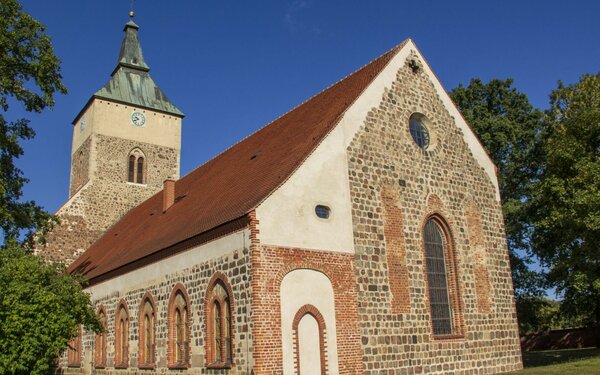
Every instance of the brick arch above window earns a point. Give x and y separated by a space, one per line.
136 166
100 340
147 332
301 265
441 276
179 310
121 335
315 313
219 309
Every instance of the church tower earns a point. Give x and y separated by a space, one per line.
126 143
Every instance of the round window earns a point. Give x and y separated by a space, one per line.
322 211
418 130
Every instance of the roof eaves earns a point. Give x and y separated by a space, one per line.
174 249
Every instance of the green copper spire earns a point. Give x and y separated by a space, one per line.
131 50
130 81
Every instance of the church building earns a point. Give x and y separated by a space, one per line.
359 233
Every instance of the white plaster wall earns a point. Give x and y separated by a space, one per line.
287 216
79 136
114 120
298 288
154 273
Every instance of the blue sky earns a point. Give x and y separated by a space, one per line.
231 67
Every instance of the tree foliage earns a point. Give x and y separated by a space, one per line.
41 308
29 74
508 127
566 204
539 313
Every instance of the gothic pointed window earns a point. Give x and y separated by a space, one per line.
146 332
219 323
179 333
309 341
131 172
441 278
121 335
140 170
227 328
100 341
136 167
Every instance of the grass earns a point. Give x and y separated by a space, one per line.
563 362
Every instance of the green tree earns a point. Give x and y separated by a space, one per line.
566 200
29 74
41 308
508 127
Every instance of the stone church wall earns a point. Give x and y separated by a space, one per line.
106 195
195 279
395 186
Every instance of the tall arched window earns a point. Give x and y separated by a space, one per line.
309 333
121 335
147 323
140 170
131 171
136 167
218 318
179 331
100 342
441 279
74 351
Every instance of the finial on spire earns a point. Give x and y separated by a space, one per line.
131 14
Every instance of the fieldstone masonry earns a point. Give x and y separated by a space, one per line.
392 180
105 195
195 280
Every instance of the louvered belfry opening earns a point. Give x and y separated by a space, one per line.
437 279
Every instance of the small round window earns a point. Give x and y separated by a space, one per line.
418 131
322 212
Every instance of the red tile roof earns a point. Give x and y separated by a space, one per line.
229 186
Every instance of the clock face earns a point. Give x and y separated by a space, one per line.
138 119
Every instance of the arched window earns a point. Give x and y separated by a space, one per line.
131 172
121 335
147 323
100 342
140 170
179 331
309 333
74 351
218 318
136 167
441 279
